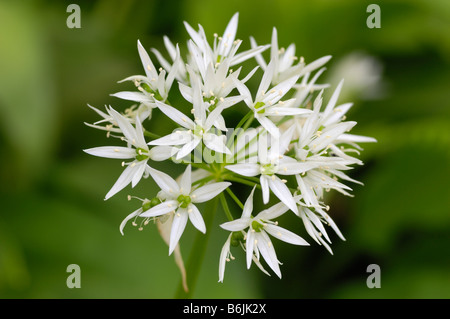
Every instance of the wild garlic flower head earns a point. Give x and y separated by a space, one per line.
288 144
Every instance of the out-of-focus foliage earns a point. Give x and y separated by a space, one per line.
52 208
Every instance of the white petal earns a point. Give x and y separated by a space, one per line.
196 218
223 258
161 209
220 123
147 63
267 78
123 180
266 249
173 71
332 102
258 57
273 211
140 140
243 56
248 206
215 143
244 92
315 65
209 191
112 152
161 153
269 126
264 180
164 181
188 147
337 114
281 111
356 138
185 181
166 65
228 36
140 168
194 35
124 125
317 222
175 115
130 216
132 96
285 235
249 244
186 92
274 53
280 90
245 169
176 138
309 227
308 194
178 226
334 226
295 168
283 193
237 224
212 117
331 133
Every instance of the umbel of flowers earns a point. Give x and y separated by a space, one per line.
290 145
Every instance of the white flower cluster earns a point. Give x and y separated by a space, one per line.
288 144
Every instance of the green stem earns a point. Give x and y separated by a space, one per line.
245 118
225 207
194 263
242 181
151 135
234 197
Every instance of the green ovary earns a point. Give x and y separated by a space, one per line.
257 226
150 203
140 154
268 169
184 201
259 105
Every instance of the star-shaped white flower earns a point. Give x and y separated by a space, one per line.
259 228
224 47
181 198
136 149
318 137
154 86
268 102
181 73
314 220
270 163
284 61
234 239
195 131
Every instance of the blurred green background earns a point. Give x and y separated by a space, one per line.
51 193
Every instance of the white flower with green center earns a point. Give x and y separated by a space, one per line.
224 47
284 61
235 239
314 220
154 86
259 228
270 163
137 150
196 131
181 73
283 143
268 102
181 198
215 88
319 136
132 114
